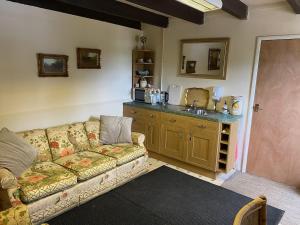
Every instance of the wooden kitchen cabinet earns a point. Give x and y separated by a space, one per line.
202 145
173 141
153 136
138 125
173 136
146 122
185 141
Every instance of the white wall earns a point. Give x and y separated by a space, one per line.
155 42
27 101
273 19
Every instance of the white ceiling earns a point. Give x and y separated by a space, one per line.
260 2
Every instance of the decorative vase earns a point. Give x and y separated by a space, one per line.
236 105
143 83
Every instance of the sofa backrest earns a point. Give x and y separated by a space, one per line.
59 142
56 142
38 139
93 132
78 136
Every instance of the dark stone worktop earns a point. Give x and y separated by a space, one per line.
176 109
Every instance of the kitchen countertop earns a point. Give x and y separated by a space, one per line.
176 109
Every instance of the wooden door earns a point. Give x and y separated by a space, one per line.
274 150
202 148
173 141
152 136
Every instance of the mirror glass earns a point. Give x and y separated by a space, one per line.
204 58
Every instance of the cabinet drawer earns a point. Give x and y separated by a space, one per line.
173 119
133 112
151 115
204 124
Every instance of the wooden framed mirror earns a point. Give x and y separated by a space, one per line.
204 58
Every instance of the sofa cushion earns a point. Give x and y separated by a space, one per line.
115 130
93 132
43 179
59 142
123 153
38 139
78 137
87 164
16 154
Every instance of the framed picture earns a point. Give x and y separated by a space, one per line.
88 58
214 59
190 66
50 65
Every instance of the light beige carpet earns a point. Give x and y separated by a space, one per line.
278 195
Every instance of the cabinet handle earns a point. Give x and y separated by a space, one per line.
173 121
201 126
133 112
151 116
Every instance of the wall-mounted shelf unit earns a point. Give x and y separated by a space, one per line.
137 65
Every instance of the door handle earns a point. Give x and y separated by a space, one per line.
257 108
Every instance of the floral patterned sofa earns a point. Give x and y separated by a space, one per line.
72 167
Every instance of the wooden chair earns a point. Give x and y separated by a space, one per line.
254 213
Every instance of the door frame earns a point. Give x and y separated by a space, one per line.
253 89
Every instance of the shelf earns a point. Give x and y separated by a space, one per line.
143 50
222 161
223 152
222 170
224 142
144 63
142 76
222 167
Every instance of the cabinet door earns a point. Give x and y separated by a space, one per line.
173 141
202 147
138 125
152 136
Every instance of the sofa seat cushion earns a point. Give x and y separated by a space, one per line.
87 164
123 153
43 179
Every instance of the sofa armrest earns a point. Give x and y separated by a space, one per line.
15 215
9 190
7 179
138 138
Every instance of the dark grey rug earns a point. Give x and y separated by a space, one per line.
163 197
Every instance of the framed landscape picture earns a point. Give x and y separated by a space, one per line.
88 58
191 66
50 65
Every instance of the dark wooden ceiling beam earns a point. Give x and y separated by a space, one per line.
74 10
236 8
173 8
295 5
121 9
